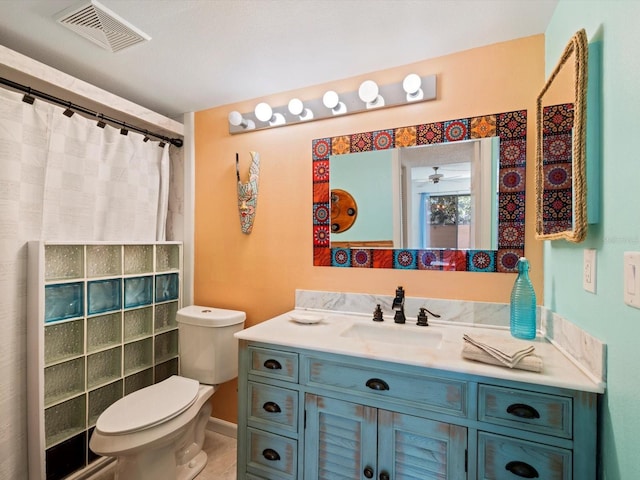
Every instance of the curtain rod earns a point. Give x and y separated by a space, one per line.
177 142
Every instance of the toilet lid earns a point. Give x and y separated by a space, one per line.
149 406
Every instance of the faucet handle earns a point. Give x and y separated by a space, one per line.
422 318
377 314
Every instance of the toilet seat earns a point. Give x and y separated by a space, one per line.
149 406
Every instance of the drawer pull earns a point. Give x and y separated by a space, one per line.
522 469
271 407
522 410
272 364
271 454
368 472
377 384
384 476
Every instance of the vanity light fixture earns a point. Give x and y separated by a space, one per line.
412 85
297 108
264 113
370 96
369 93
237 120
331 100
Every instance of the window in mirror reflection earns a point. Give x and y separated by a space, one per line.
449 221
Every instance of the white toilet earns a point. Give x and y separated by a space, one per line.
157 432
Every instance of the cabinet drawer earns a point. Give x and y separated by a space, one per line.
536 412
505 458
273 407
273 364
422 391
271 456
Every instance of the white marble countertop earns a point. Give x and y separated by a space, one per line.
438 346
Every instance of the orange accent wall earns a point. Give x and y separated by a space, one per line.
259 273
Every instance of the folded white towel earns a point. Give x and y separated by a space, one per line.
530 362
508 351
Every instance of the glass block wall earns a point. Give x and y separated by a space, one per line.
101 324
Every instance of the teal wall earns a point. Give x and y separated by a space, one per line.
367 177
604 314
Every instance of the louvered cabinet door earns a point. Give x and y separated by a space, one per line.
414 448
340 440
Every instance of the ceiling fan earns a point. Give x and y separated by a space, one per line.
435 176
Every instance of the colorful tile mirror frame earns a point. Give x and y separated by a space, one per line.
557 167
510 127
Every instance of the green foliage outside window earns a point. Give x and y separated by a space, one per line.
450 209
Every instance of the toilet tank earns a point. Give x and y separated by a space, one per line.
208 349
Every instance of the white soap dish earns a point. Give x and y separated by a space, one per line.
306 318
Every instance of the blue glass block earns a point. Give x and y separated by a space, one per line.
166 287
138 291
103 296
63 301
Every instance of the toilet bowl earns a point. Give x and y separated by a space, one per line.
157 432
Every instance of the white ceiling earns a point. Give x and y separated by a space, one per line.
206 53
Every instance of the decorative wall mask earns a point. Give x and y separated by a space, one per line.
248 193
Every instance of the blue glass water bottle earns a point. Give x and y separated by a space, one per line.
523 304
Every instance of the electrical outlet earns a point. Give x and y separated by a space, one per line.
589 270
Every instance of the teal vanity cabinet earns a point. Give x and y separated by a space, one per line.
309 415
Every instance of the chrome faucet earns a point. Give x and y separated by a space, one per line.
398 306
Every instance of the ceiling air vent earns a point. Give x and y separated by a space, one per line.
103 27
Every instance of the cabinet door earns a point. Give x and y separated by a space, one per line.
340 440
344 440
414 448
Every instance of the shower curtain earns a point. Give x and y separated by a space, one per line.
62 179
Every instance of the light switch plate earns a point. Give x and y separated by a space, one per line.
632 279
589 270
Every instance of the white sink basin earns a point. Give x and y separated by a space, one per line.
406 335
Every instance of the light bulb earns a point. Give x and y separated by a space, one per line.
296 107
264 113
237 120
369 93
331 100
411 84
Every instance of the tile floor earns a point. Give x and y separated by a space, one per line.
221 464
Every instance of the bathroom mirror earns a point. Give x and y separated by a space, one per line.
507 132
561 206
428 196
